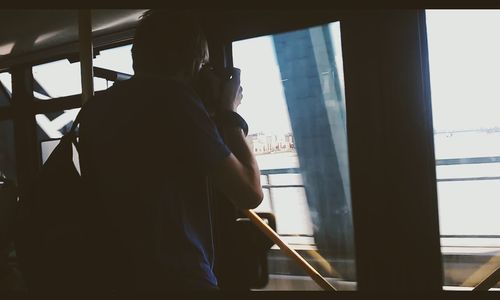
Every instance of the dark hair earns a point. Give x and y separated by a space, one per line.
168 42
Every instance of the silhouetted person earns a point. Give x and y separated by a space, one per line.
148 145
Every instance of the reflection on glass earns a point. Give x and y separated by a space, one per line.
464 64
293 101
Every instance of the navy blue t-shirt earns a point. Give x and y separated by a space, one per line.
147 147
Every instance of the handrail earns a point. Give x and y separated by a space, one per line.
468 160
269 232
110 75
468 179
280 171
489 281
480 236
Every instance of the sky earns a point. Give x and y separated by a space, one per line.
464 61
264 105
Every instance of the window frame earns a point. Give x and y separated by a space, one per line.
376 266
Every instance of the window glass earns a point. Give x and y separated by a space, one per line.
293 101
47 146
51 127
464 72
56 79
5 88
118 59
62 78
55 124
101 84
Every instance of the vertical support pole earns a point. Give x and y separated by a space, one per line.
86 53
25 134
271 203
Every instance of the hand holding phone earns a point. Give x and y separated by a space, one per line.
231 94
219 89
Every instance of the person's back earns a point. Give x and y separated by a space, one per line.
138 153
147 146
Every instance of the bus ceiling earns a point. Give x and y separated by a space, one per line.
37 36
29 36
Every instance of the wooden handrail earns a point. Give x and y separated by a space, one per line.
489 281
269 232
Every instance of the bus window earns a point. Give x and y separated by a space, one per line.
293 101
118 59
56 79
7 151
55 124
48 145
51 127
464 64
5 88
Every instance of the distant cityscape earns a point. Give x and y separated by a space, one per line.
262 143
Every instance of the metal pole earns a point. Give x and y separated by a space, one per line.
291 252
86 53
271 203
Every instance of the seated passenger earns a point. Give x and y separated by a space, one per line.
148 147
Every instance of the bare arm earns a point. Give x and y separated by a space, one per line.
238 176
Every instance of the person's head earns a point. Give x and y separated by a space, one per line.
169 44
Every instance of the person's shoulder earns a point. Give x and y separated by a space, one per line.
152 92
158 85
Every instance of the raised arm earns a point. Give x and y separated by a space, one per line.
238 175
